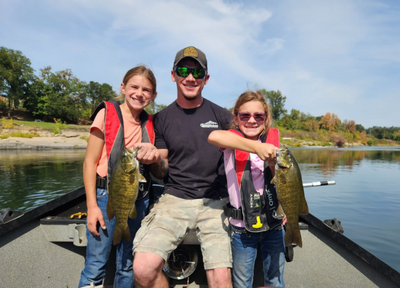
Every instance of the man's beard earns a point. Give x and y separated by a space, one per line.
190 98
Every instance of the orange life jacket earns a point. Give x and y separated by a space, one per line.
115 142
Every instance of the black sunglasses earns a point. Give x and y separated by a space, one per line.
185 71
259 117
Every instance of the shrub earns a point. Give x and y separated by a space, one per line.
86 138
7 124
59 126
24 135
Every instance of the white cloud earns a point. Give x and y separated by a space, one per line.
324 56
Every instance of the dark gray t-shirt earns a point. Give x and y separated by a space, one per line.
196 168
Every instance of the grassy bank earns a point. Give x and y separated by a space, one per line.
324 138
30 129
40 125
290 138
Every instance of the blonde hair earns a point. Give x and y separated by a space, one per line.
138 70
251 95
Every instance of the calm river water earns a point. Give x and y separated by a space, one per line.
366 197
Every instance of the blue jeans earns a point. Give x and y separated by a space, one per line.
244 252
99 247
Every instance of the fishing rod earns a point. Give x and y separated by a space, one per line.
319 183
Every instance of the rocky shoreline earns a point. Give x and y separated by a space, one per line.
69 139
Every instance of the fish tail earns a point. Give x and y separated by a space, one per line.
126 235
133 212
279 214
304 207
110 212
293 236
117 236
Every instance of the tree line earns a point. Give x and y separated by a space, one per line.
330 122
61 95
49 94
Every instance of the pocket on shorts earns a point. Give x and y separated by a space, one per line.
144 227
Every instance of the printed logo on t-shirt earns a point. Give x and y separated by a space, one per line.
209 124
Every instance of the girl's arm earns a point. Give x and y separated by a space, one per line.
93 152
227 139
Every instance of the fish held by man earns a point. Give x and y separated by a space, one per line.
290 191
123 192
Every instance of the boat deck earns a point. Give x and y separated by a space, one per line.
327 259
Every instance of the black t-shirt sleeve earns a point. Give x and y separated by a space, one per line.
159 138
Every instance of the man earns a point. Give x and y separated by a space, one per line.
195 188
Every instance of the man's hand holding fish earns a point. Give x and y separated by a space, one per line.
147 153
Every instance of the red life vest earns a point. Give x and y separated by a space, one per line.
115 141
258 211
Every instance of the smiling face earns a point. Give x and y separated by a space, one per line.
138 91
189 88
251 128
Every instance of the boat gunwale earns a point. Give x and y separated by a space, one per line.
43 210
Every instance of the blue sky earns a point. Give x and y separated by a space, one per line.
338 56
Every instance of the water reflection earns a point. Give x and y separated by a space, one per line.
366 197
329 160
31 178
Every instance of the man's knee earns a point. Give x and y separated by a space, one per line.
146 266
219 277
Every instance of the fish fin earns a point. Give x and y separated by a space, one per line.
117 235
142 179
273 180
133 213
279 214
126 235
304 207
293 236
110 212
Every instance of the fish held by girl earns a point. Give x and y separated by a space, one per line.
123 192
290 192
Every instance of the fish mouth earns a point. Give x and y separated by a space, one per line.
282 167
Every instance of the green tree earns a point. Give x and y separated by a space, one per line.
277 103
297 120
396 135
360 128
57 95
383 132
153 108
15 75
96 93
36 98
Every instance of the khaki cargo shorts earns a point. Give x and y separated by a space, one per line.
170 220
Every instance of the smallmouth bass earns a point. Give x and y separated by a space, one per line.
290 191
123 192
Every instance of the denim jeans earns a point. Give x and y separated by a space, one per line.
244 252
99 247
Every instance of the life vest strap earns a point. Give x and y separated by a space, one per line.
233 212
101 182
